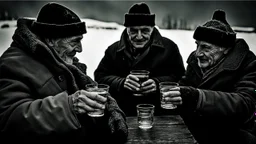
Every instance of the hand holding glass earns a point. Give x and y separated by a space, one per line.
100 89
164 88
143 76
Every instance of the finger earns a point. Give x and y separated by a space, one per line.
149 87
80 111
149 91
173 99
171 94
134 86
177 103
94 96
83 107
176 88
91 103
148 82
128 87
133 77
133 83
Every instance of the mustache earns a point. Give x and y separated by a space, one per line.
139 40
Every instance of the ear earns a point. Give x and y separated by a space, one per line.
127 31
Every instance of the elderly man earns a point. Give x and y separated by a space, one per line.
217 99
41 87
141 47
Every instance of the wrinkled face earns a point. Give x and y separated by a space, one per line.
208 54
68 47
139 36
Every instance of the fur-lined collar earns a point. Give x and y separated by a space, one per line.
26 39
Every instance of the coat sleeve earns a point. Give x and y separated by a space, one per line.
238 106
22 113
105 72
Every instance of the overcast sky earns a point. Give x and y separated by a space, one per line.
239 13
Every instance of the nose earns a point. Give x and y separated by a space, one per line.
79 48
199 52
139 35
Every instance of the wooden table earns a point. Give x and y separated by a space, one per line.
166 130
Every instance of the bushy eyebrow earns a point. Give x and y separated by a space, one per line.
76 38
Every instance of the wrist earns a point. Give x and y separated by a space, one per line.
190 97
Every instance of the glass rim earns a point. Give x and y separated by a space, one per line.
139 71
145 106
169 83
105 85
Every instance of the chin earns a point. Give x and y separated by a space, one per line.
68 60
138 46
204 66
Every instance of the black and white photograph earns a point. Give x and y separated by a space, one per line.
128 71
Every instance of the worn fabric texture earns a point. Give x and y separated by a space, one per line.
139 15
161 57
225 108
55 20
35 102
216 31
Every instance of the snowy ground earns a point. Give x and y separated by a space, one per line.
100 35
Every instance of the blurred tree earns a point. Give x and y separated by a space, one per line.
170 22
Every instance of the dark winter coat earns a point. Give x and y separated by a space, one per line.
227 97
35 84
162 59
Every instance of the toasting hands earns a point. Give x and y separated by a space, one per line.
173 96
183 95
84 101
148 86
134 84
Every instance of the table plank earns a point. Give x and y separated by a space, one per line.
166 129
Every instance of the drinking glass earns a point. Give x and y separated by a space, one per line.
166 87
143 75
101 89
145 114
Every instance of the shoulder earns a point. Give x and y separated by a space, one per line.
18 62
114 45
14 57
168 41
191 57
113 48
164 40
170 45
242 48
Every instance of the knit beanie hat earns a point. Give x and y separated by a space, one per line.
55 20
139 15
216 31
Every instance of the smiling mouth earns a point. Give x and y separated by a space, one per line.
202 60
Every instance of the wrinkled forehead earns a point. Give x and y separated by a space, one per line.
206 44
140 27
76 37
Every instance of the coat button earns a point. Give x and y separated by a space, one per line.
60 78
